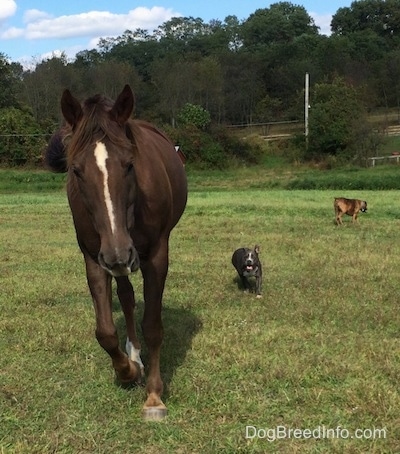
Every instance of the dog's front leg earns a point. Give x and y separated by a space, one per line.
258 286
245 283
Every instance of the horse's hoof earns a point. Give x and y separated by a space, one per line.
259 296
154 413
135 378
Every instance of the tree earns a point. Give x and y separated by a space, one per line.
181 32
87 59
208 85
280 42
172 79
137 48
379 16
108 78
244 87
280 23
225 36
239 71
44 85
10 80
180 81
388 80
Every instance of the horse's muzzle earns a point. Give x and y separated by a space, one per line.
120 263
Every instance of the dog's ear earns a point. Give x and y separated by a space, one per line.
257 248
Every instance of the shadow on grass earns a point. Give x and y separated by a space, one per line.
180 327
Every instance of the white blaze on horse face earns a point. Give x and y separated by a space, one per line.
101 155
134 354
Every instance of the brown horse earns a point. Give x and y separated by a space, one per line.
127 190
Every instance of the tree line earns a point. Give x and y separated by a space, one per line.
232 71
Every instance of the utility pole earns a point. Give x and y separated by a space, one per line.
306 106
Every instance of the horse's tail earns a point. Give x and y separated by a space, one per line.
55 158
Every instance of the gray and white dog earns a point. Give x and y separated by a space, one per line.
247 264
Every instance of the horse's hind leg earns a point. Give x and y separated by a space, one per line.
126 297
154 271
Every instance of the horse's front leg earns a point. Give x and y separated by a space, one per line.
154 271
126 297
99 282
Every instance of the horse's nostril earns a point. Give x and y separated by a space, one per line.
119 262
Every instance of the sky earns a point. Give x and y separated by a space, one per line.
32 30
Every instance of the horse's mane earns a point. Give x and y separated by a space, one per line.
94 126
54 157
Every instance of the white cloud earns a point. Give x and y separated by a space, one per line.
91 24
12 33
323 21
7 9
86 27
34 15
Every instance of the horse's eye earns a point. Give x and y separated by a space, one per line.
129 168
77 172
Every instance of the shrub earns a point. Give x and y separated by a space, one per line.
234 147
21 141
215 148
195 115
337 123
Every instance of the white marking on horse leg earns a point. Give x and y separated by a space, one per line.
134 354
101 155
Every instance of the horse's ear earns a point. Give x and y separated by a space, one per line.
71 108
123 106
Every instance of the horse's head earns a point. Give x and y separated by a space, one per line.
100 165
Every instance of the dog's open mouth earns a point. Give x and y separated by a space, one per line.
249 268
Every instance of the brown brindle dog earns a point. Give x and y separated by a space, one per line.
350 207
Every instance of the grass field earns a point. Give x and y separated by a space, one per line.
319 352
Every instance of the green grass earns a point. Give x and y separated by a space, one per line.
14 180
321 348
384 177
